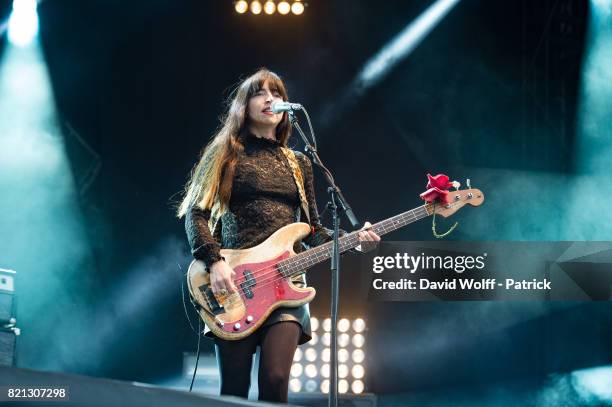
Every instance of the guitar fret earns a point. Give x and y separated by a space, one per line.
319 254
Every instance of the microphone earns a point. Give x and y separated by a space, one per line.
279 107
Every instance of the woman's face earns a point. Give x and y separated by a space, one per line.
259 109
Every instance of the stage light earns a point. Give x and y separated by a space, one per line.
343 371
256 7
593 150
325 370
295 385
358 371
241 6
604 6
311 370
310 355
40 201
325 386
315 339
594 384
325 355
318 355
314 323
343 355
358 356
358 325
23 22
358 340
311 385
344 325
297 356
297 370
404 43
357 387
297 8
327 324
342 386
269 7
283 8
382 62
344 340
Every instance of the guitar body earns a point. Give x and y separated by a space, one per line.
261 286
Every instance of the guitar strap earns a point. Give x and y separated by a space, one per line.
215 211
299 180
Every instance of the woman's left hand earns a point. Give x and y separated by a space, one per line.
366 234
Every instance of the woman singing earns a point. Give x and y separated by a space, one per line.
246 186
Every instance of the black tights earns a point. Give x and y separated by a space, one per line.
278 343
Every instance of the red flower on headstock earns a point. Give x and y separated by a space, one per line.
437 188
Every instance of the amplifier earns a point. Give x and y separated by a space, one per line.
8 339
7 297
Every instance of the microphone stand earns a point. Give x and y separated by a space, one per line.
336 200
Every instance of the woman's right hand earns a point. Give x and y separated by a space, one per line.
222 278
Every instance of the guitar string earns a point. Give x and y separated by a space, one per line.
316 251
273 270
263 282
313 254
385 226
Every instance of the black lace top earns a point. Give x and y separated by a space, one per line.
264 198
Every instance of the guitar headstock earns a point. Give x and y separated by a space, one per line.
458 199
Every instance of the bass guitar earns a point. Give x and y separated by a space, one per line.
263 272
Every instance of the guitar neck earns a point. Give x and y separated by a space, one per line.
300 262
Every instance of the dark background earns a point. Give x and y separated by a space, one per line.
492 90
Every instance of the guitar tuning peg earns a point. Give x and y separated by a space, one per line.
456 185
469 185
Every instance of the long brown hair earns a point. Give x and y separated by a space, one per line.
213 176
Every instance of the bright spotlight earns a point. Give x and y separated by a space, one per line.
241 6
343 340
403 44
594 383
325 386
310 354
344 325
297 8
256 7
343 371
23 23
326 321
269 7
326 339
358 356
325 370
295 385
311 371
603 5
343 356
283 7
296 370
342 386
314 323
358 371
358 340
325 355
315 339
357 387
358 325
297 356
